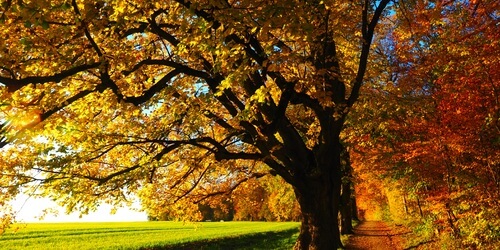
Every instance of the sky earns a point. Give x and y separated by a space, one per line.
30 209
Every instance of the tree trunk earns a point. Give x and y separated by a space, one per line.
318 195
451 220
354 208
319 207
317 184
420 208
405 204
345 197
345 209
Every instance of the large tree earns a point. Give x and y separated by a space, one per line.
182 99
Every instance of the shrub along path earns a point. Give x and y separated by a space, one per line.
374 235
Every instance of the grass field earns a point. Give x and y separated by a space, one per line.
151 235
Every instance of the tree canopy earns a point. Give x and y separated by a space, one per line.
182 99
178 102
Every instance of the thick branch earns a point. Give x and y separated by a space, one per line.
159 86
365 51
156 29
185 69
220 152
15 84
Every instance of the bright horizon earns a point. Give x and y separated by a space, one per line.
33 209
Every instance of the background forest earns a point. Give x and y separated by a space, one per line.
264 199
259 110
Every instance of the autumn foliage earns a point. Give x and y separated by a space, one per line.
255 110
264 199
435 143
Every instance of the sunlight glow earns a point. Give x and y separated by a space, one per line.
32 209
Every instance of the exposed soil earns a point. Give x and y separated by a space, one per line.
374 235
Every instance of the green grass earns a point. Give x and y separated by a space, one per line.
151 235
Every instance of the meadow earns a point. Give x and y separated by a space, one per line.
151 235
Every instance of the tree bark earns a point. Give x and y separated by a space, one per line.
319 199
354 208
420 208
405 204
345 197
320 227
346 209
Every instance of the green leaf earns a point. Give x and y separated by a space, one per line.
27 24
45 25
65 6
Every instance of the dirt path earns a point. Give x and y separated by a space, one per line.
374 235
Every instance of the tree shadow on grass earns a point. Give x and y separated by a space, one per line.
268 240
